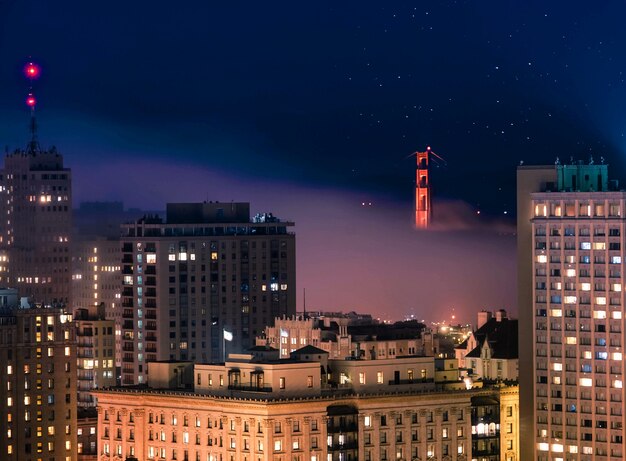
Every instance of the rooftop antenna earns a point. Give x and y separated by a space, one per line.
304 303
32 72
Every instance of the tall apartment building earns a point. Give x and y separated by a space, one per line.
97 281
38 363
207 269
35 228
571 244
95 337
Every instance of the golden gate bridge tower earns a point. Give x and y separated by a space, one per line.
423 199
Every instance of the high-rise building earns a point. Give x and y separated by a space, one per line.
35 229
95 337
38 363
208 269
571 230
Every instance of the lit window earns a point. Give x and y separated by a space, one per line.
601 300
617 383
616 356
557 366
616 315
557 448
379 377
570 272
367 421
569 300
542 259
570 340
599 314
556 313
278 445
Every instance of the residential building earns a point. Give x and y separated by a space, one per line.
571 232
95 355
285 410
97 281
207 269
38 362
342 338
35 230
491 352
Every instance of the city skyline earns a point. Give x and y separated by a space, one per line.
315 115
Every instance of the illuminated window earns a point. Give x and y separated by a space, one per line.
278 445
616 314
616 356
368 421
361 377
570 272
599 246
601 300
585 286
557 366
569 300
542 258
570 340
541 210
379 377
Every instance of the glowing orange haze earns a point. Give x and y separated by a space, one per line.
350 257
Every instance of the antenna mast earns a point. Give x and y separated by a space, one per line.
32 71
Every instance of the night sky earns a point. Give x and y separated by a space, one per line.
311 110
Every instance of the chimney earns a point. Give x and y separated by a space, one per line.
483 317
500 315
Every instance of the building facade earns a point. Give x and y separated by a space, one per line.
571 231
97 281
35 231
95 354
38 362
283 410
206 270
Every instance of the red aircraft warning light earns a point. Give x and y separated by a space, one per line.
32 70
31 101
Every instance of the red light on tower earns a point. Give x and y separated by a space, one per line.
32 70
31 101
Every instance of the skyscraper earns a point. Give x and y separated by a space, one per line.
38 363
571 231
36 223
207 270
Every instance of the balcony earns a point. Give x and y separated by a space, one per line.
353 445
338 428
